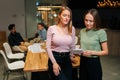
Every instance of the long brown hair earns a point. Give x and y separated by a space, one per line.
95 14
70 22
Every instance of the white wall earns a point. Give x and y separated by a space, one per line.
12 11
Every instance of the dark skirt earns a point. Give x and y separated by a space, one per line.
63 59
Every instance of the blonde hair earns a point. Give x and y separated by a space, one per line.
70 22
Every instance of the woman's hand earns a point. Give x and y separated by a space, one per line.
88 53
56 69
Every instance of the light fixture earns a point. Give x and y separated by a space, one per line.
47 7
108 3
43 8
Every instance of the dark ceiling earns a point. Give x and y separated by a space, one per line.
77 4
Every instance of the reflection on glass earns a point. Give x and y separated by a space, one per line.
47 14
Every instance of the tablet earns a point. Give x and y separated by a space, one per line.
77 51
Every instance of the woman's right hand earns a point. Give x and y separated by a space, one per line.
88 53
56 69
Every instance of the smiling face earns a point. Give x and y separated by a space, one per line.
65 17
89 21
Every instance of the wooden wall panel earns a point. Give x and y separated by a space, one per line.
2 38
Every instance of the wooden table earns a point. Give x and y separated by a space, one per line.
36 62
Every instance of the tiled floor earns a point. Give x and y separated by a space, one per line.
14 75
110 65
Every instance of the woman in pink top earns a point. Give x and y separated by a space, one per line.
60 39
